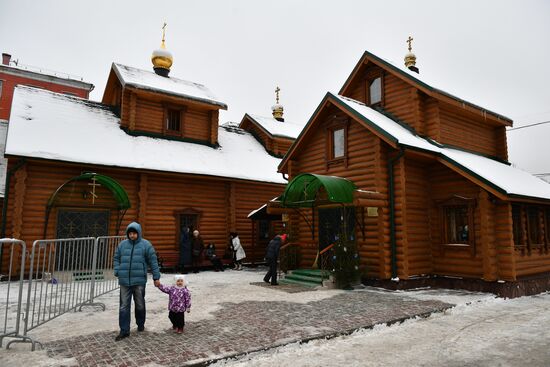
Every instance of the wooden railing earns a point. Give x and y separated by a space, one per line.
324 260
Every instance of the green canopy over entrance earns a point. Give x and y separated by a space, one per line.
303 191
116 189
119 194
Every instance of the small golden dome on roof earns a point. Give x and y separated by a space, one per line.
410 57
162 58
277 109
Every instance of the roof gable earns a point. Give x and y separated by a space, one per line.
420 82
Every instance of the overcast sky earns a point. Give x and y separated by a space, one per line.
494 53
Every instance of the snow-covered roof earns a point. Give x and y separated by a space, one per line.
3 161
144 79
46 75
429 82
277 128
54 126
506 178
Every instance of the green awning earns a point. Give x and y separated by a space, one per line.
303 190
120 195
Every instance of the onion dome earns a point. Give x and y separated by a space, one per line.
410 57
162 58
277 109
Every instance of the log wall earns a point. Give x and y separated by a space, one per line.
155 198
417 218
365 156
447 259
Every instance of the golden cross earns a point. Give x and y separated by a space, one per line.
409 41
93 184
163 31
277 90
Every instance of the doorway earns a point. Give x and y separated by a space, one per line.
187 224
335 222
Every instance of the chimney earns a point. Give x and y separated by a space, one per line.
6 58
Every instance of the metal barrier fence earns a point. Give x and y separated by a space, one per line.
12 295
64 275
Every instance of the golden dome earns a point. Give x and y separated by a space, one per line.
410 59
277 109
162 58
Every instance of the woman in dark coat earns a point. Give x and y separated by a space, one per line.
197 245
185 249
271 258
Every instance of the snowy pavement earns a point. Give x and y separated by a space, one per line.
268 326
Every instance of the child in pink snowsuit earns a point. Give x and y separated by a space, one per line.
179 302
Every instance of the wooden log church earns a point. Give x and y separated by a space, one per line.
424 173
151 151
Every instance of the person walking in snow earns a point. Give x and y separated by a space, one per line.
272 256
179 302
238 250
131 259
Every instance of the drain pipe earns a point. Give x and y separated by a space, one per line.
10 172
393 243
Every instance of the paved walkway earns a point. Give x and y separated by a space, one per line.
238 328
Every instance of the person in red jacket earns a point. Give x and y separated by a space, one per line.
272 256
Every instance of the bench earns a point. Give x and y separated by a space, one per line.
168 262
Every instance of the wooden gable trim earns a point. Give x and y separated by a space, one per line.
110 88
427 89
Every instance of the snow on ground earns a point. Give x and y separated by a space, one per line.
480 331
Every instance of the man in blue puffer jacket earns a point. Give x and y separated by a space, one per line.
132 257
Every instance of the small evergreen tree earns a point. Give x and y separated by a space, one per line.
345 258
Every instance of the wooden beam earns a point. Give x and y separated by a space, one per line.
487 246
20 188
143 195
132 117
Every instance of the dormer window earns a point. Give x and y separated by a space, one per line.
375 91
173 120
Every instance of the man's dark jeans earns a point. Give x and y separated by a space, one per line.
126 294
272 273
